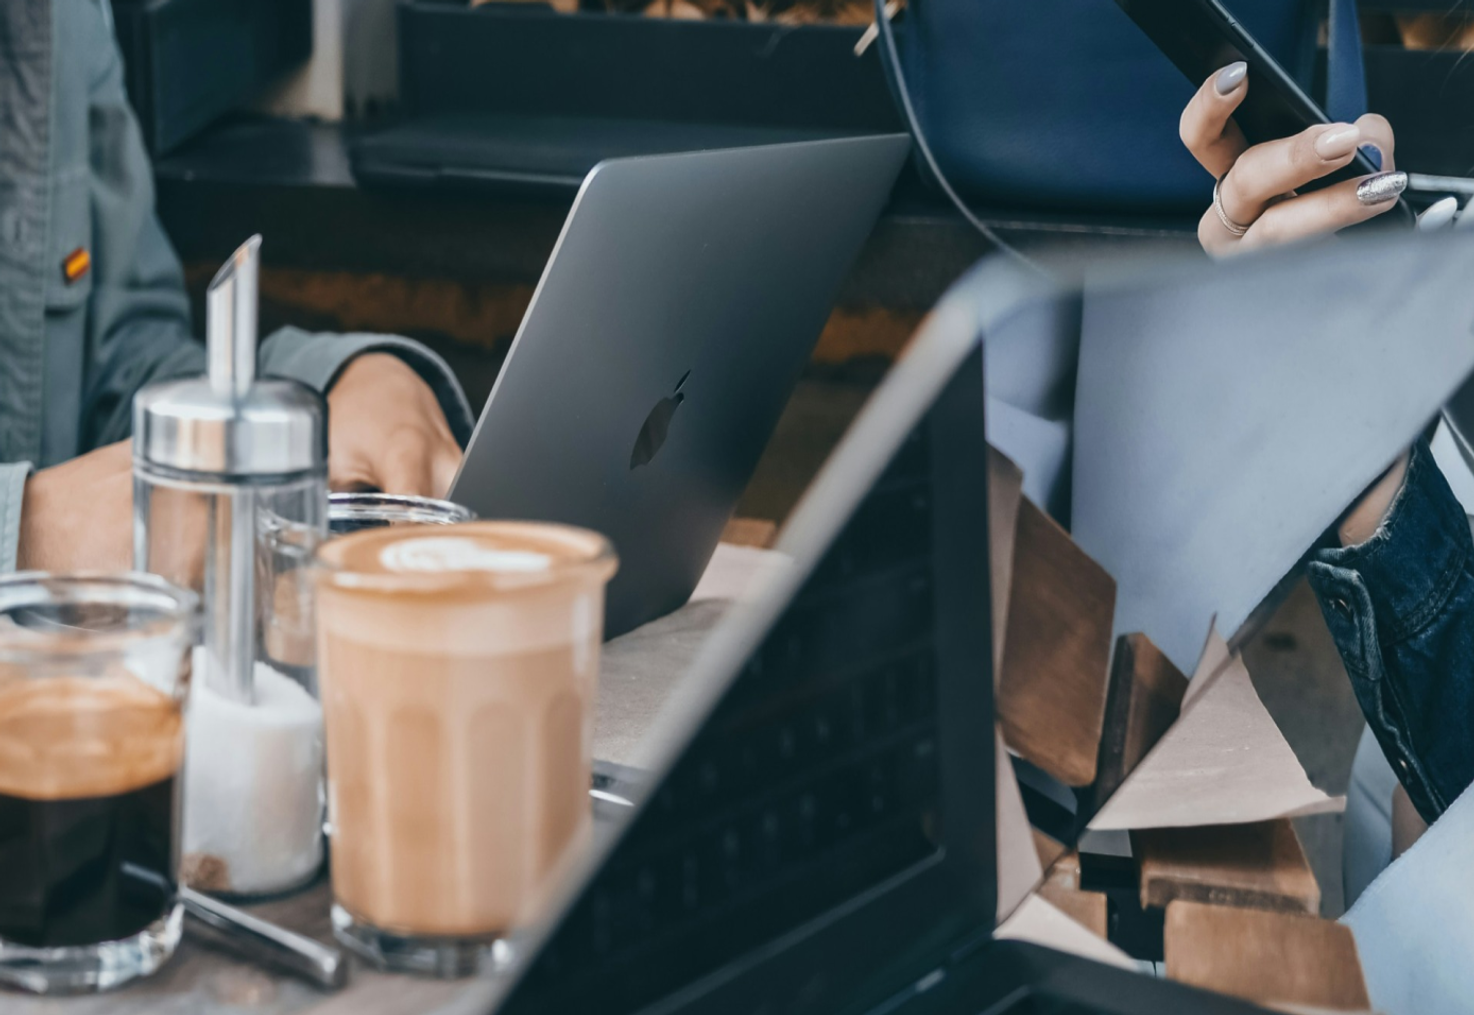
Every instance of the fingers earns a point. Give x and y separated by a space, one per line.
406 467
1438 215
1377 133
1257 181
348 475
1213 235
421 467
1207 126
1267 172
1328 210
416 460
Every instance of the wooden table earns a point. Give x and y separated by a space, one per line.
206 977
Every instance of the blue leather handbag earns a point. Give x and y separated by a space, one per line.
1067 104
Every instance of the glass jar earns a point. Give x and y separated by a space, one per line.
351 512
94 672
459 669
230 499
185 530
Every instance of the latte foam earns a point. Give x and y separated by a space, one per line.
457 553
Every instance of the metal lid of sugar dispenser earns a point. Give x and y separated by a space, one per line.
230 423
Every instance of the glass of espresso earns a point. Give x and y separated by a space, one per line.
458 667
94 671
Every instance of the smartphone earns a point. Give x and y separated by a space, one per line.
1201 37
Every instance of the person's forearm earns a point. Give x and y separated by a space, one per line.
1362 521
1400 604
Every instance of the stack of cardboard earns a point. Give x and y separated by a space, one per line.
1195 772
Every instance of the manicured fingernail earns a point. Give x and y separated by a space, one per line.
1338 142
1230 77
1466 217
1438 215
1381 188
1373 154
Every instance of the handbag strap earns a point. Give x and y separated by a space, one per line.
1346 83
890 59
1346 99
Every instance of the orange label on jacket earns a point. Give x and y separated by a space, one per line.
76 265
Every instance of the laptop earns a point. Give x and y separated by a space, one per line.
519 152
671 324
822 836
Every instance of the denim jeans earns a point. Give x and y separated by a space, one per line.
1401 609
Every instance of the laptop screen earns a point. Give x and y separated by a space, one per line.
827 831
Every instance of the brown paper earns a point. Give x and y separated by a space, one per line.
1040 923
1019 870
1005 487
1224 762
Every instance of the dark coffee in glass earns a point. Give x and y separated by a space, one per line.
93 677
87 803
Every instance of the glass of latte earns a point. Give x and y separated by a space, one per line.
458 668
93 675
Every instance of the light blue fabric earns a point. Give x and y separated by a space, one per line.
1039 446
1031 395
1414 925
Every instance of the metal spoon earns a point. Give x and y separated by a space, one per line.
322 964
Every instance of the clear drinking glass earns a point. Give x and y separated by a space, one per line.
230 494
288 627
184 531
352 512
458 667
254 798
94 671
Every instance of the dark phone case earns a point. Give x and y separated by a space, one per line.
1200 37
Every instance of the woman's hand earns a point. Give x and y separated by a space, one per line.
1257 205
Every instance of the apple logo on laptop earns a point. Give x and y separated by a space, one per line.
657 426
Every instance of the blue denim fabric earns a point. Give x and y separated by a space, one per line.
1401 609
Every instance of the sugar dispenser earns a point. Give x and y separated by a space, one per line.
230 499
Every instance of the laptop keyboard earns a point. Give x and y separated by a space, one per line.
816 778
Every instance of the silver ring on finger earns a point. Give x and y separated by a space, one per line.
1228 223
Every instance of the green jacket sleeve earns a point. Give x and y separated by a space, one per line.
318 359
